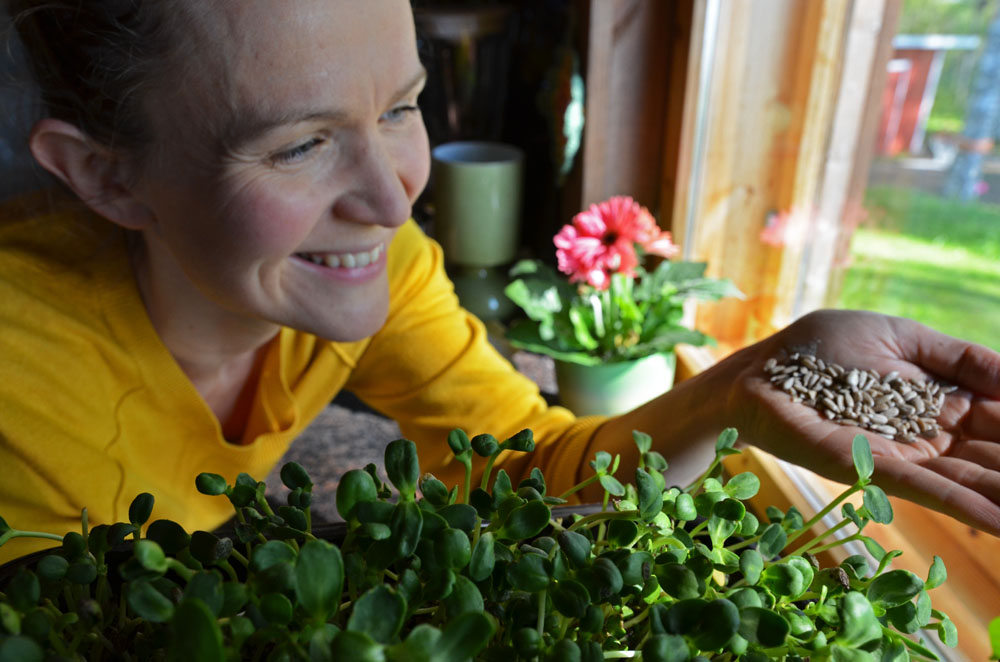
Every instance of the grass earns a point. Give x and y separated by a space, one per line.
930 259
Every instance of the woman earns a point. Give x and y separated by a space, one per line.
241 250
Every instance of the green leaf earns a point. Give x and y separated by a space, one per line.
356 486
211 484
20 649
319 578
743 486
894 588
169 535
575 546
763 626
772 541
858 624
650 496
947 632
864 463
151 556
643 441
406 524
784 579
270 554
452 549
719 530
210 549
840 653
295 477
612 485
463 638
877 504
485 445
10 620
483 560
601 461
994 632
678 581
52 568
727 439
523 441
276 609
403 467
149 603
895 651
525 521
378 613
140 509
464 597
356 647
207 587
937 574
570 598
685 508
665 648
751 565
529 573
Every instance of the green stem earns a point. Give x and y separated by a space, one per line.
696 485
823 513
467 489
185 572
239 557
837 543
484 483
601 518
15 533
579 486
801 549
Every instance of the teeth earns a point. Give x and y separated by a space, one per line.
345 260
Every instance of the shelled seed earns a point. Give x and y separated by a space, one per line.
894 407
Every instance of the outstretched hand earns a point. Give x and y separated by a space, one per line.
957 472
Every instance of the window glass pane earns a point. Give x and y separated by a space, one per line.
922 251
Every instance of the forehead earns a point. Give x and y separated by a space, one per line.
249 58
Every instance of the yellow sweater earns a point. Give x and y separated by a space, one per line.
94 409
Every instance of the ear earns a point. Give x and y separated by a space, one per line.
92 171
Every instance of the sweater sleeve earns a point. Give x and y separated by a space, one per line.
432 369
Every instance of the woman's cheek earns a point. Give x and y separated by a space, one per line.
276 223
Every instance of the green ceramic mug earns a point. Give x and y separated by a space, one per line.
477 201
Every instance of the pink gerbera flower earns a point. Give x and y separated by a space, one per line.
602 241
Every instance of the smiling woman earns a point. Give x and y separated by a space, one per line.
234 247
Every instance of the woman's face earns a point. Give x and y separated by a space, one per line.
285 158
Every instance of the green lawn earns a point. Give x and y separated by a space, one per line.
930 259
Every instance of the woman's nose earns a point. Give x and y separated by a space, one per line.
376 192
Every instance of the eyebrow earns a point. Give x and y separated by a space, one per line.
247 126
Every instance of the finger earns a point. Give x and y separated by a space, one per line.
929 488
962 363
983 421
985 454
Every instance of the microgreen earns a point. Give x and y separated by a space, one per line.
423 571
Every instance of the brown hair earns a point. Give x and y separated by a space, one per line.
94 60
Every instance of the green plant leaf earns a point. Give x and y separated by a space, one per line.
665 648
529 573
751 565
937 574
947 632
149 603
575 546
864 463
840 653
784 579
464 597
994 633
140 509
858 624
612 485
650 495
319 578
295 477
52 568
772 541
463 638
406 524
684 507
403 467
643 441
379 613
679 581
151 556
270 554
570 598
743 486
894 588
209 548
276 609
485 445
877 504
523 442
895 651
211 484
763 626
19 648
452 549
169 535
525 521
727 439
602 579
356 486
483 559
357 647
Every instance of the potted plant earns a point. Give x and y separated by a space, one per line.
485 572
610 324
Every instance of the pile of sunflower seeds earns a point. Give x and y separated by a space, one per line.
894 407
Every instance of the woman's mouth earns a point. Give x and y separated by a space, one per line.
344 260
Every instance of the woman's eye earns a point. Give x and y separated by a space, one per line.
296 153
399 113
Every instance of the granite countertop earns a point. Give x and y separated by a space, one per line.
348 435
